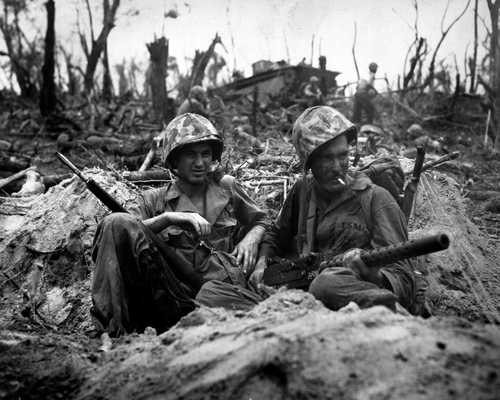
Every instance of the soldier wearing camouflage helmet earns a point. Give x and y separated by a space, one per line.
210 222
335 210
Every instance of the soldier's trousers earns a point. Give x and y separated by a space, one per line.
336 287
133 286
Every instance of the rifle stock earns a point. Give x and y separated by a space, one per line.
299 273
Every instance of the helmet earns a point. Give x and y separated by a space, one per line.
373 67
186 129
317 126
197 92
314 79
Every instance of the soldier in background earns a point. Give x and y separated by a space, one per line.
312 92
195 103
363 98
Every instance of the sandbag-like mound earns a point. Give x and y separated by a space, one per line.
291 347
45 245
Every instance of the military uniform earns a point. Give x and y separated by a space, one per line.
364 216
134 284
357 214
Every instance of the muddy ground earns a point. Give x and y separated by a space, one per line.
288 347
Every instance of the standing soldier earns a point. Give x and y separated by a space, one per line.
363 98
206 217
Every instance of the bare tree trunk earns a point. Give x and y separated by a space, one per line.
354 51
99 44
48 93
107 83
473 60
201 61
158 54
429 81
13 35
494 85
413 63
122 79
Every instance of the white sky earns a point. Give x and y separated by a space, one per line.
259 29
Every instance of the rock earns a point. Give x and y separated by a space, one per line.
55 308
33 185
414 131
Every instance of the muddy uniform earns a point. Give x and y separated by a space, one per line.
364 216
129 292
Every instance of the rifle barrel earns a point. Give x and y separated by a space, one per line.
411 248
71 166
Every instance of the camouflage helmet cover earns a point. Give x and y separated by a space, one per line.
313 79
317 126
187 129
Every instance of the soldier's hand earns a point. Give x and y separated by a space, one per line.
352 259
201 226
246 253
257 275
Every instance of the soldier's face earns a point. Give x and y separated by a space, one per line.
193 163
330 163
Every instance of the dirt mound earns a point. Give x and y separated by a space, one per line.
45 245
288 347
465 279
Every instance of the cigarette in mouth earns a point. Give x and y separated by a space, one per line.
341 181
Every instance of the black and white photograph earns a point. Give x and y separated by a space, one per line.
267 199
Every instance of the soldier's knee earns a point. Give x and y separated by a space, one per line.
328 281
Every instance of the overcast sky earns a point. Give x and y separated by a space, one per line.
264 29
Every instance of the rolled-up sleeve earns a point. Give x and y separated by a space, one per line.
246 211
389 227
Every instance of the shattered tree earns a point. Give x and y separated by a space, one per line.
493 88
48 92
156 77
97 44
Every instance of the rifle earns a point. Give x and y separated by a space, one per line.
181 271
411 187
300 272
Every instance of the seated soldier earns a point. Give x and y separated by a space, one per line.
312 92
340 212
133 285
195 103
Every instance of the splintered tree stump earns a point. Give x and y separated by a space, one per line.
158 55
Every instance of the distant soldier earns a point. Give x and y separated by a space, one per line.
363 98
312 92
195 103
